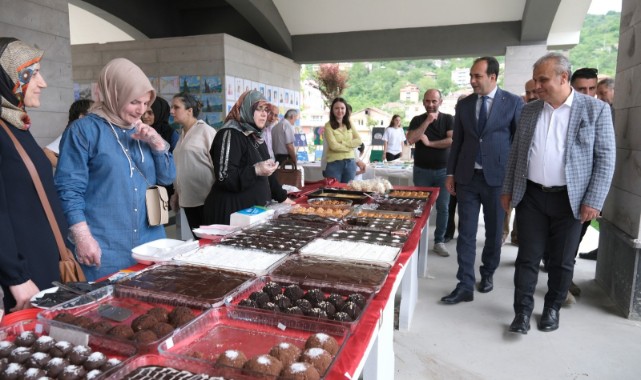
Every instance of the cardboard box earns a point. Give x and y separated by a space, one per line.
250 215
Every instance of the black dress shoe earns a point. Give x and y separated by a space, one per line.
458 295
589 255
549 320
486 285
520 324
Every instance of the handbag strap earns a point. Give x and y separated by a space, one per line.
64 254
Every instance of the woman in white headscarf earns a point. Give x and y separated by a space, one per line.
107 161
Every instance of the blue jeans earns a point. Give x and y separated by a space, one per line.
343 170
435 178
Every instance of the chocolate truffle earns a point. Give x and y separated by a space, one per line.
294 310
33 374
4 362
270 306
317 357
314 296
112 362
79 354
231 358
38 360
294 292
64 317
144 337
248 303
95 361
100 327
25 339
55 367
328 308
357 299
20 354
14 371
342 317
93 374
261 298
177 315
161 329
121 331
143 322
72 372
272 289
44 344
351 309
263 365
282 301
161 314
182 319
316 312
336 299
300 371
61 349
324 341
304 305
82 321
287 353
5 348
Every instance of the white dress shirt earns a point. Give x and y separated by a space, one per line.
547 152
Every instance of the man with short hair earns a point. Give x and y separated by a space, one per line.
605 90
432 134
584 80
530 91
283 138
557 177
483 129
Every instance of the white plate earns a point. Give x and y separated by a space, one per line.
161 250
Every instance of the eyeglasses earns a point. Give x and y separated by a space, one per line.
264 109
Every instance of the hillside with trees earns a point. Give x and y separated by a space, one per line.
377 83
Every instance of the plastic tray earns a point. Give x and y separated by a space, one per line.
325 287
382 214
330 202
342 194
351 250
232 258
357 275
137 301
409 194
300 218
111 348
201 286
192 366
386 238
251 331
161 250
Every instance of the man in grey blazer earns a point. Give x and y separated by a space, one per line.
557 177
483 130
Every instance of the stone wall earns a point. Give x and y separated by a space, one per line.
45 25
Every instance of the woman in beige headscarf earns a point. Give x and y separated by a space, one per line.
107 161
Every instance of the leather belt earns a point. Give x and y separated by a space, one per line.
547 189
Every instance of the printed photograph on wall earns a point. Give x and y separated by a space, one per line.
154 82
275 96
228 107
261 88
190 84
169 85
318 135
212 102
230 90
297 99
247 85
239 87
211 85
268 93
214 119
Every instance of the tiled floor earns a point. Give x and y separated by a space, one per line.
470 340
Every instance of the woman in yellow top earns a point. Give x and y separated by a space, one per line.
341 140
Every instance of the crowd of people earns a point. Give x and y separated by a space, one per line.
500 152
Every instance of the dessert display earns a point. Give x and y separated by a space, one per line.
409 194
329 202
274 235
384 215
324 341
373 237
232 258
379 224
376 185
344 272
166 373
317 357
304 218
51 299
231 358
351 250
300 371
263 365
198 286
343 194
30 356
401 204
325 212
303 300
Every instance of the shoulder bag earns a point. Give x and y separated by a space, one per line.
289 176
70 270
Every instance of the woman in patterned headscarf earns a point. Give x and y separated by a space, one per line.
242 165
107 160
28 254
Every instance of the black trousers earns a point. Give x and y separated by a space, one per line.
544 219
451 224
194 217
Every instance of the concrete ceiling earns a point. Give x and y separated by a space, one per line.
312 31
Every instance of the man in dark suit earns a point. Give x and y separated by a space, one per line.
483 130
558 176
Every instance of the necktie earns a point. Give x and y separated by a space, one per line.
481 125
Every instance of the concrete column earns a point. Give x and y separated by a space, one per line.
45 25
619 261
518 66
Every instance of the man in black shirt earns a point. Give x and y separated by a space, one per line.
432 134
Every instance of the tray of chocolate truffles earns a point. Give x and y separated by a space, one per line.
379 224
303 218
194 285
351 250
411 194
307 299
414 206
28 352
145 319
258 344
361 276
152 367
274 236
372 237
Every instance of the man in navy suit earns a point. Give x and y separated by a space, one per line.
484 126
